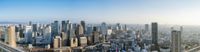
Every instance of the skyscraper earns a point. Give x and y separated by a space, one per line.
83 25
146 28
95 35
176 41
79 33
70 34
28 34
11 36
57 42
55 28
89 30
64 26
119 26
47 33
103 28
30 23
34 30
154 33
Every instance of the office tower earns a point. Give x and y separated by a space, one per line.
70 34
1 32
47 33
79 33
55 28
109 31
181 28
83 25
146 28
34 30
21 34
83 41
89 40
57 42
138 36
28 34
11 36
118 26
103 31
73 42
89 30
71 31
103 28
64 26
154 33
79 30
95 29
30 23
64 38
125 27
67 25
176 41
95 35
17 33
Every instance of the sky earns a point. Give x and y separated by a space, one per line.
181 12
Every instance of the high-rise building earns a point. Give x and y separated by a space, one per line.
55 28
1 32
89 30
64 26
125 27
176 41
73 42
11 36
119 26
21 34
103 28
47 33
95 35
30 23
83 41
70 34
83 25
28 34
57 42
71 31
34 29
154 33
79 33
64 38
67 25
79 30
146 28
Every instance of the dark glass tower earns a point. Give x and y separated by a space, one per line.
55 28
83 25
154 33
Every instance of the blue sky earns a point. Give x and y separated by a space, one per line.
96 11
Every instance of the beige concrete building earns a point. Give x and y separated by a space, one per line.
57 42
73 42
11 36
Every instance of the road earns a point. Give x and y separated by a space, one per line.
9 48
196 49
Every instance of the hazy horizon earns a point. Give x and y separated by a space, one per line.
97 11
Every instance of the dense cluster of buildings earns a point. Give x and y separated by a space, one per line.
65 36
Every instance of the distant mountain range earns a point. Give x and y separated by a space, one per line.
11 23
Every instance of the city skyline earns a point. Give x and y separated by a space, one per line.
110 11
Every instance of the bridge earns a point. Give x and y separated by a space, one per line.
8 48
